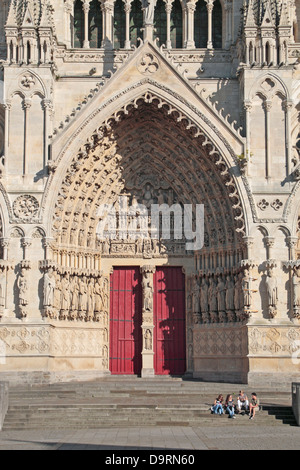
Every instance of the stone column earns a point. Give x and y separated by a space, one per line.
168 12
69 12
4 242
5 267
288 106
26 243
269 243
26 107
147 322
209 6
47 107
248 107
190 43
292 244
86 9
228 10
7 108
127 8
107 12
268 106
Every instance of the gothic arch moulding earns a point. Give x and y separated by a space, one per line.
148 147
117 109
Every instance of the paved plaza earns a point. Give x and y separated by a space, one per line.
231 437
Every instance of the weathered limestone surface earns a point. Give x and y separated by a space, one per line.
81 126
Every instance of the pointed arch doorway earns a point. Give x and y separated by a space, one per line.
153 154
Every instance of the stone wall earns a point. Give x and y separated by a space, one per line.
4 396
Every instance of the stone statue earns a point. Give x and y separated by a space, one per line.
148 340
212 299
49 288
247 289
196 295
90 300
22 284
204 296
272 292
147 292
229 294
74 298
296 291
221 295
148 7
65 297
82 304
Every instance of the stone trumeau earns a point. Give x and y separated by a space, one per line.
127 103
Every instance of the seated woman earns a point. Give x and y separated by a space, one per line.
217 407
254 405
242 402
229 406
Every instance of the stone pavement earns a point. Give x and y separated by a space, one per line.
229 437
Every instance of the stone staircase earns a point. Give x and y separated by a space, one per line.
134 402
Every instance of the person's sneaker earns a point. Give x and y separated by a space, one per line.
233 417
251 417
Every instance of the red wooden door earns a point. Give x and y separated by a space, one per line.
169 321
125 321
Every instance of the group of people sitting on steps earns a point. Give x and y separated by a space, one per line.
243 405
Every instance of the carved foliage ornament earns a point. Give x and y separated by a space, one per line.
27 81
25 207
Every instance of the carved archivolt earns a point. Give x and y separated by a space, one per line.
147 142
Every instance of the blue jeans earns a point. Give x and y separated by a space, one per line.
218 409
230 410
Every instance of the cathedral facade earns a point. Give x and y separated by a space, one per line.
140 104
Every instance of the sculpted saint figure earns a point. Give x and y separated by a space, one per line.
272 288
23 288
148 340
229 293
148 292
148 7
272 293
296 284
204 296
49 288
221 294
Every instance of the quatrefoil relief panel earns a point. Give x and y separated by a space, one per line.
148 65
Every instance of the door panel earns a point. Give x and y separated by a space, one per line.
125 321
169 321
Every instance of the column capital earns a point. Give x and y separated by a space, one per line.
268 105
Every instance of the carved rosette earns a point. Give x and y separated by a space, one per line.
25 208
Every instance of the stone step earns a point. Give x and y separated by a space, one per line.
134 402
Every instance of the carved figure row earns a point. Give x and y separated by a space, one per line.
76 297
229 296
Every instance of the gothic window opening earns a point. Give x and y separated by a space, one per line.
201 25
78 24
119 25
217 25
176 25
95 24
136 22
160 22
